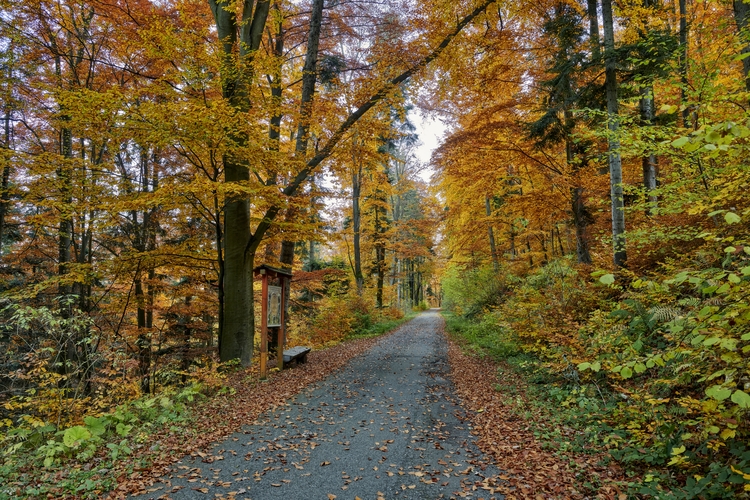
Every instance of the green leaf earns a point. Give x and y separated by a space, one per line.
711 341
678 143
584 366
123 430
95 425
626 372
733 278
729 344
718 392
741 398
639 368
745 271
607 279
732 218
596 366
74 436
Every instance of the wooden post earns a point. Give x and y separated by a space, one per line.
281 340
264 326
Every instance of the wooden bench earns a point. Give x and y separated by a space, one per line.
296 354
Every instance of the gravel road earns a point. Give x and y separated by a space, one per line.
385 427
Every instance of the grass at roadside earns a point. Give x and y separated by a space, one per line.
380 328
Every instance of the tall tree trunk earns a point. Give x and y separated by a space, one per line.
615 162
219 242
578 207
491 234
236 330
742 18
357 223
63 173
528 250
379 259
580 222
684 62
309 76
593 28
236 340
145 242
649 161
4 193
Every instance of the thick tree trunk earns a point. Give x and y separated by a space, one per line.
615 161
236 339
237 321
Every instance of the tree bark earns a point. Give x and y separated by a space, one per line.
593 29
4 193
357 223
379 259
491 234
237 329
684 63
309 77
649 161
741 18
615 161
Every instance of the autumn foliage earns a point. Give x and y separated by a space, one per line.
653 352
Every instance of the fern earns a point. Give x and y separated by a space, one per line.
662 314
689 302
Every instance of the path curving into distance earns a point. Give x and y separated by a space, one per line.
387 426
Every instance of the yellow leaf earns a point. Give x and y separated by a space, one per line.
727 434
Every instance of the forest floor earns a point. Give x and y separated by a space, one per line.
392 417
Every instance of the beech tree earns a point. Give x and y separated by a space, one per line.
240 28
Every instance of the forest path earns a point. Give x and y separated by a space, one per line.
385 426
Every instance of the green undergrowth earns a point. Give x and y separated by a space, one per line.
651 368
565 416
40 460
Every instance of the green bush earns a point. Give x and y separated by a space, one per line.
471 292
486 335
